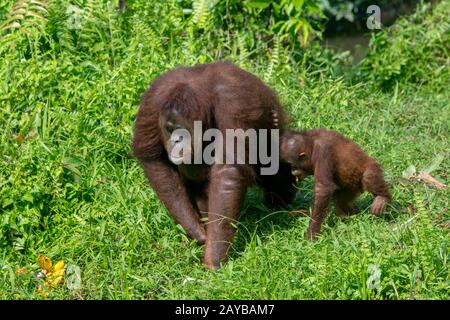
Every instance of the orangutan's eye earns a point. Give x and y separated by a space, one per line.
302 155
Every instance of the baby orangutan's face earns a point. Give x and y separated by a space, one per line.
299 174
293 151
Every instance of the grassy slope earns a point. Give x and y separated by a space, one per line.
73 193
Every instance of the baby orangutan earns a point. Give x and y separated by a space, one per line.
341 170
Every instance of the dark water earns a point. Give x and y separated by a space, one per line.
356 44
343 35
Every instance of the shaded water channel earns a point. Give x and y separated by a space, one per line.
351 33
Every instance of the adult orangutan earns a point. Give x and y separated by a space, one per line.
221 96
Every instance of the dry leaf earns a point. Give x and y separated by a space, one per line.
299 213
409 209
430 180
21 271
19 138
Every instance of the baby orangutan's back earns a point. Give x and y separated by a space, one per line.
350 161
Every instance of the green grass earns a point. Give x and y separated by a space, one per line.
70 190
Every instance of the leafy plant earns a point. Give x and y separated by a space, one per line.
201 11
424 37
289 18
292 20
25 19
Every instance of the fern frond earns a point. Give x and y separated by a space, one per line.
24 17
244 53
274 59
23 9
146 34
202 12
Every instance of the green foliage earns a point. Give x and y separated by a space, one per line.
70 190
201 12
292 20
416 50
23 24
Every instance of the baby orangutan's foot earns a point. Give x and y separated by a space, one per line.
378 205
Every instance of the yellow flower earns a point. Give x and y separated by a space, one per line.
56 277
53 275
45 263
